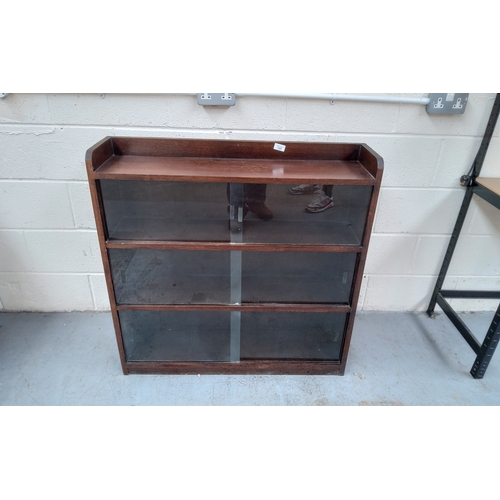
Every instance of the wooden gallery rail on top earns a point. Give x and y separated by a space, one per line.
233 256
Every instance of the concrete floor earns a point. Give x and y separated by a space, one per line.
395 359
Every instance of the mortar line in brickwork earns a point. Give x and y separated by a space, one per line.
429 235
285 114
27 248
415 253
433 276
50 229
45 181
473 276
423 188
438 163
49 106
89 282
72 210
433 235
52 273
114 129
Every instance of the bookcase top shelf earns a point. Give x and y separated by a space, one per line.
195 160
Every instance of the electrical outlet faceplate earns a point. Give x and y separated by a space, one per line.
447 104
210 99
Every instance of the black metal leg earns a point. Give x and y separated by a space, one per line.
487 348
451 249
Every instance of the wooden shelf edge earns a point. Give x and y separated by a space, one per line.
489 190
227 246
261 307
288 172
491 183
245 367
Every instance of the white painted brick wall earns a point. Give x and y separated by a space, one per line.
27 204
49 255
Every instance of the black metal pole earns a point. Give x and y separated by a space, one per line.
487 348
490 128
451 249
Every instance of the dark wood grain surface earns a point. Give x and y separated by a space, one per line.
234 170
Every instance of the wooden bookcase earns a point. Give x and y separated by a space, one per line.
200 281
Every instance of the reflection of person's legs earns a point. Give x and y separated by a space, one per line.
255 197
255 193
251 197
235 194
305 189
236 202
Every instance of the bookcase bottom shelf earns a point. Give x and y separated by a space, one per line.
261 367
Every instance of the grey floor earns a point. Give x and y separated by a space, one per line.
395 359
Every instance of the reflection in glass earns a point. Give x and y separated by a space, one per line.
297 277
251 198
292 223
171 211
176 335
145 276
292 335
240 213
244 199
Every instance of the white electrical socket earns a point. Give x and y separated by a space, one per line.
211 99
447 104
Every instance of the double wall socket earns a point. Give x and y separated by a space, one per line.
210 99
447 104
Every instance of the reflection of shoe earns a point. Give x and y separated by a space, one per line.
319 203
260 210
305 189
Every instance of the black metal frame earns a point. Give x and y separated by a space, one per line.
486 349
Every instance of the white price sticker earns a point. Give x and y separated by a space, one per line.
279 147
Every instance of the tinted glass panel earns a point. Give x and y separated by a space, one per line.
174 211
308 336
179 211
176 335
144 276
297 277
285 219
